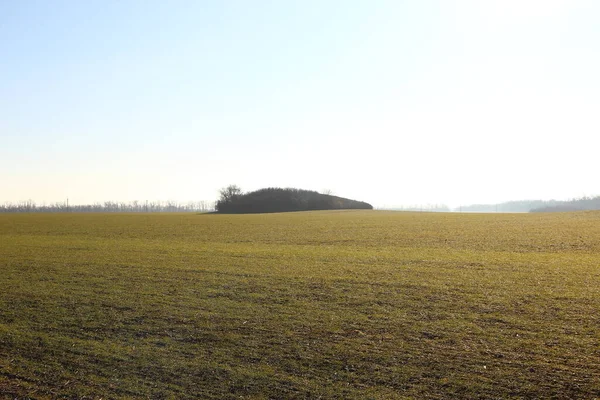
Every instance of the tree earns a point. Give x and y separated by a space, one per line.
228 195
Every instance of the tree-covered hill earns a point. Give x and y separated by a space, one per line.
268 200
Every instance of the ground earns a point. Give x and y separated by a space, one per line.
354 304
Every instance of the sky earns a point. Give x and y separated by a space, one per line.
390 102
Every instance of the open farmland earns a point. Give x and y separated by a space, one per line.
354 304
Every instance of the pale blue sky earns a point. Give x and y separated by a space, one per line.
391 102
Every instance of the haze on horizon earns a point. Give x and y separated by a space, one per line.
389 102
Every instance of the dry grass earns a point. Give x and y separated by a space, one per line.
303 305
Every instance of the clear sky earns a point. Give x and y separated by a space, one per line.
391 102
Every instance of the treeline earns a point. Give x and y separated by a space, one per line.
420 208
508 206
269 200
580 204
109 206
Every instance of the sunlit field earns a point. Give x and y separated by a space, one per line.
347 304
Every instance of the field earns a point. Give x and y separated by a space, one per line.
347 304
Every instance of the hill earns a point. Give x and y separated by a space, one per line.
270 200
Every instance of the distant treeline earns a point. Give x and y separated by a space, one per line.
581 204
109 206
268 200
509 206
420 208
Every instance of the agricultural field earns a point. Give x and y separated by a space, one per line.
331 305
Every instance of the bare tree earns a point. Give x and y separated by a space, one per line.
229 193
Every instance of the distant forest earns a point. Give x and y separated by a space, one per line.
420 208
509 206
580 204
267 200
109 206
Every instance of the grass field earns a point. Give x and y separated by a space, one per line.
353 304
